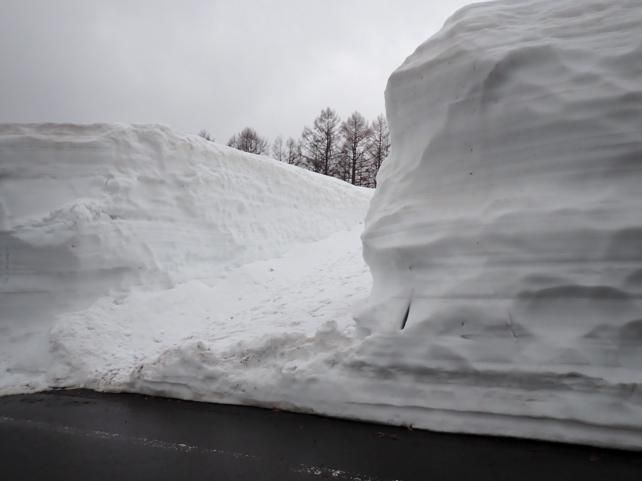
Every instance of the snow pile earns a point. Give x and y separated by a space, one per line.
89 208
276 333
504 241
506 231
229 339
92 214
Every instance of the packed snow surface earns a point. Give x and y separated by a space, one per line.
504 240
120 242
505 235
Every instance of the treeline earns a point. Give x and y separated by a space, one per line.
351 150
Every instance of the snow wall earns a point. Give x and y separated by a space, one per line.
87 210
506 230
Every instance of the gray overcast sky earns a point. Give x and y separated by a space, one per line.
214 64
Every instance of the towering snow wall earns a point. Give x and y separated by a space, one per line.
505 235
85 209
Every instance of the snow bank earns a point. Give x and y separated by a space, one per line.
92 211
504 238
230 339
89 208
506 230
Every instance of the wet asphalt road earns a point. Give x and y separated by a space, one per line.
69 435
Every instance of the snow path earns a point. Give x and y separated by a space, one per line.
267 310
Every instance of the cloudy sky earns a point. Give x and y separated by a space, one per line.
213 64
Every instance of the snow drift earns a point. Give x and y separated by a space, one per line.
505 235
504 241
93 211
85 209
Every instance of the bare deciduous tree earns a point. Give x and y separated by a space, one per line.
352 150
341 167
249 141
321 142
293 154
379 146
206 135
356 135
277 149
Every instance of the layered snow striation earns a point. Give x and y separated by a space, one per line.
93 216
89 208
505 235
503 240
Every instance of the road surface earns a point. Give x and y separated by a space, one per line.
69 435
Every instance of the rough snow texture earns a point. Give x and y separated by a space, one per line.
90 212
505 233
506 230
88 208
233 339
